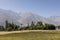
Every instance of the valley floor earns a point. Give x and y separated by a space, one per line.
31 35
10 32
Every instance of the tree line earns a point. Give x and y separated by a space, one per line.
39 26
33 26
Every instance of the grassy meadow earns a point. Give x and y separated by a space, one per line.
33 35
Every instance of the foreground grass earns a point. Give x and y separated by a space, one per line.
33 35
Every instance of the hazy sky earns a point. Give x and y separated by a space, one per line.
44 8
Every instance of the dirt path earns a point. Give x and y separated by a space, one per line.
5 32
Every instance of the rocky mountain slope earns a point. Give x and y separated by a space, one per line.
25 18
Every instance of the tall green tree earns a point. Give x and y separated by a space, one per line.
6 25
1 28
39 25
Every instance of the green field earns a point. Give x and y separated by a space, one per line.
38 35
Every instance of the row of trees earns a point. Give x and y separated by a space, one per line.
9 27
33 26
39 26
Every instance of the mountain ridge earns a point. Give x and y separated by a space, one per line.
24 18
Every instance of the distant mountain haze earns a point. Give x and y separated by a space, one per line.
8 15
55 19
25 18
29 17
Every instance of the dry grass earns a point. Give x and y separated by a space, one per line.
31 35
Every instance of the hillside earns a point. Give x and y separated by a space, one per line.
24 18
